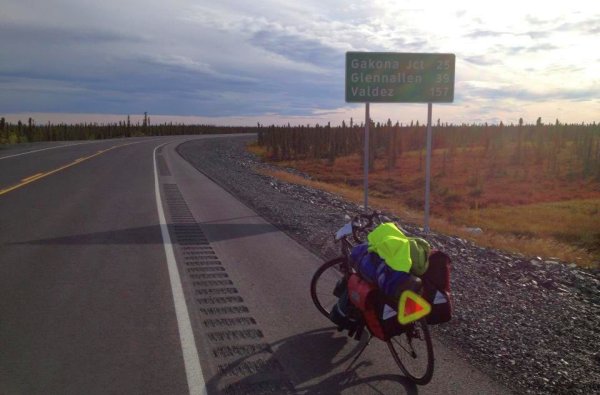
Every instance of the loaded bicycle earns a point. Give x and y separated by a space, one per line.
409 344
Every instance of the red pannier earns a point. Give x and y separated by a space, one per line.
379 313
365 297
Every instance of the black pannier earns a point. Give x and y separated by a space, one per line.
436 282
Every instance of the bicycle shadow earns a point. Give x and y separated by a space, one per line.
339 383
315 362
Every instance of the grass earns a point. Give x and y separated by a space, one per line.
576 222
516 215
257 150
498 237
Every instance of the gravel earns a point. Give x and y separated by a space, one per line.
530 322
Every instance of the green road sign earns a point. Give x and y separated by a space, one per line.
391 77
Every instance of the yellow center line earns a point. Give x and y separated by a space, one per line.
39 176
31 178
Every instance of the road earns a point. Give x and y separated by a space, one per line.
119 276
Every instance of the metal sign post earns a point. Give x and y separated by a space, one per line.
428 167
366 156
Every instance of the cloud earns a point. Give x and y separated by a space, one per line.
480 60
485 33
63 36
414 45
298 49
588 26
519 93
241 58
519 49
533 34
534 20
177 64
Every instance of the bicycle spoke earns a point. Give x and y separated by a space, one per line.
401 346
416 343
324 282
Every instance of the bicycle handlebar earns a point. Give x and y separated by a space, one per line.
361 225
358 227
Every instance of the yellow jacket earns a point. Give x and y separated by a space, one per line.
399 252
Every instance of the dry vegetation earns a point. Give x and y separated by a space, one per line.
533 189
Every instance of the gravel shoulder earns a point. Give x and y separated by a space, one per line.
531 323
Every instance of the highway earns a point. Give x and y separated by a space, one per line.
124 270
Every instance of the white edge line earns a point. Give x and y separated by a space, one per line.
193 371
46 149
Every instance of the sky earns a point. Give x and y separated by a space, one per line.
241 62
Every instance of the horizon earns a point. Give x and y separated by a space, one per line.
137 120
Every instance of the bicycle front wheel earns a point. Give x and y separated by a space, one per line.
323 283
413 352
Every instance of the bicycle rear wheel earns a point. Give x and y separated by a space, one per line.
413 352
323 283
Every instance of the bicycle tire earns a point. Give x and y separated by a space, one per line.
321 292
395 345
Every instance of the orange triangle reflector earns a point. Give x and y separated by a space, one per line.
412 307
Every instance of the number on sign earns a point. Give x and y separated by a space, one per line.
442 78
443 65
439 92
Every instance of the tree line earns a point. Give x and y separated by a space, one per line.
572 149
15 133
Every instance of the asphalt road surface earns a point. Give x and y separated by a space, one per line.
123 270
